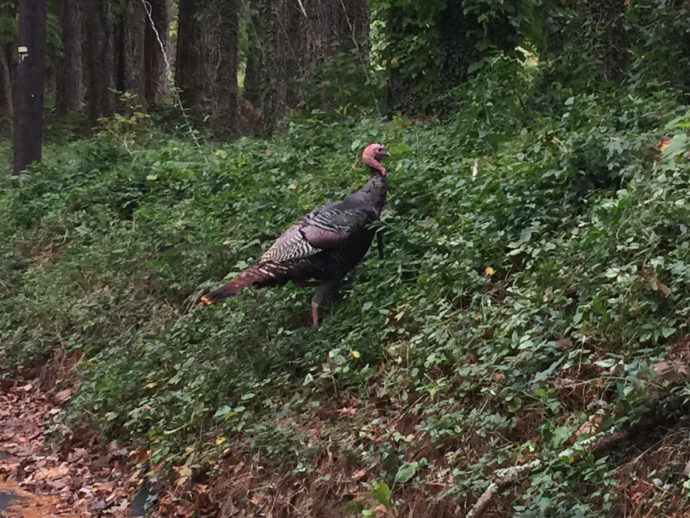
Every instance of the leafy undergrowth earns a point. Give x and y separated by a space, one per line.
534 290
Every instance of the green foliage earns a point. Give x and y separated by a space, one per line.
660 42
535 273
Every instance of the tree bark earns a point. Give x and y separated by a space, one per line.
6 103
225 118
28 135
273 69
98 49
131 52
155 50
189 65
68 76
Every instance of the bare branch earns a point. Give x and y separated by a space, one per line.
301 7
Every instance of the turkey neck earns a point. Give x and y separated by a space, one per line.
374 191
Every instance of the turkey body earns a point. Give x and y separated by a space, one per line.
323 246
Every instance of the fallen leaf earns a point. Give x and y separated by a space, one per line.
184 473
63 396
664 142
359 474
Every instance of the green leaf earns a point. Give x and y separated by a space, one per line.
667 331
560 435
353 507
406 472
526 234
383 494
222 412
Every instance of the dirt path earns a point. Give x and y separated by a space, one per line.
38 480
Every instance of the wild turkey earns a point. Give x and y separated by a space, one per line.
324 245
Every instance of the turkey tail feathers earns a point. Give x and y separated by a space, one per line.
241 280
262 274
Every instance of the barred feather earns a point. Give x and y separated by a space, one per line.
290 245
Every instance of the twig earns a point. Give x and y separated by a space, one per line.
175 92
301 6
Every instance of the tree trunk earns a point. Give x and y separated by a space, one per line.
98 49
28 136
273 69
131 52
68 77
225 121
6 103
189 64
155 50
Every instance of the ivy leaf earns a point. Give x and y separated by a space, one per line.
222 412
406 472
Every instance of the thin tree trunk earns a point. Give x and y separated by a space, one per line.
6 103
155 48
68 77
131 52
28 136
253 76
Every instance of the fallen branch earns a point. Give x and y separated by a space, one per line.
595 444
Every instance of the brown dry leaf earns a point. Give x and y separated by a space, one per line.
654 283
564 342
380 509
256 498
238 468
63 396
589 427
50 473
76 454
184 473
664 142
673 371
661 367
104 487
142 455
359 474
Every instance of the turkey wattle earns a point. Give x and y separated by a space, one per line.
324 245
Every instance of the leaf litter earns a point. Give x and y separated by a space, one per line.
56 479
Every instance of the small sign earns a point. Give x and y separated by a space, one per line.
22 50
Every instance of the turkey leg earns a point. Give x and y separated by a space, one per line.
320 296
